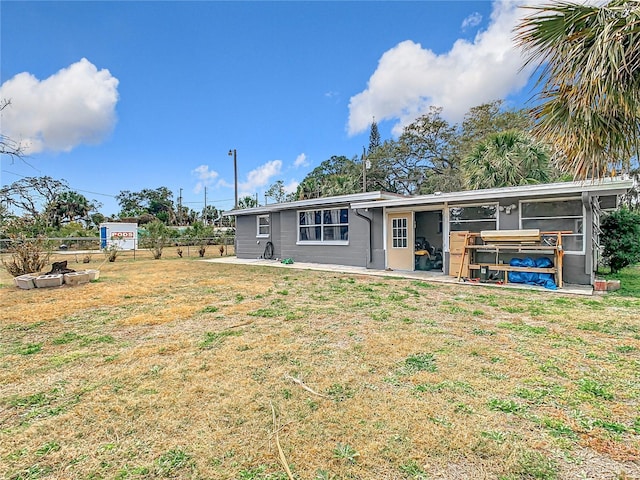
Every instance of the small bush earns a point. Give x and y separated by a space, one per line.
621 238
111 252
156 237
29 256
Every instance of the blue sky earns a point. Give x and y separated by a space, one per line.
114 96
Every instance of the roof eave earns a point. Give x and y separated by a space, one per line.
313 202
612 187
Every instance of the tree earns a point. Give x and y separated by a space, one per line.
157 236
489 118
157 202
374 138
590 82
276 192
210 214
426 156
336 176
247 202
620 238
8 146
506 159
33 195
97 218
69 207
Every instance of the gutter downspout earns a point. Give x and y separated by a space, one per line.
589 267
370 237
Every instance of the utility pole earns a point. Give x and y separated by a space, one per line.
180 208
205 207
235 175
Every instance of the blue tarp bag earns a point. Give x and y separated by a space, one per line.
532 278
544 262
522 277
546 279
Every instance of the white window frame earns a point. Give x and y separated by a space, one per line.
467 205
555 200
322 225
403 233
268 225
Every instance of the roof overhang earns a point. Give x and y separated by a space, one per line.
372 197
608 186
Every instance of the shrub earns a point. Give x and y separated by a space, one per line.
111 252
621 238
29 256
157 236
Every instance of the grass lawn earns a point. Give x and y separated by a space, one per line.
178 368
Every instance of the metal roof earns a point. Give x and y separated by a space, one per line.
611 186
316 202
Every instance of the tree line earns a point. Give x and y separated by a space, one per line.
492 147
49 206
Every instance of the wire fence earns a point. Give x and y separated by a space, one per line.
221 245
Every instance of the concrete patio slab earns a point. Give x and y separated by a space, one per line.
428 276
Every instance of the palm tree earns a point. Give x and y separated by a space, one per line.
589 59
506 159
70 206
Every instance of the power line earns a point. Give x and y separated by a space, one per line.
75 189
210 202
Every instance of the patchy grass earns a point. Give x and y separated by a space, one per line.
169 369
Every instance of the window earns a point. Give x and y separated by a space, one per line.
330 226
565 214
264 226
399 233
473 218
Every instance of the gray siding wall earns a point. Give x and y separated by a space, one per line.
377 232
276 234
284 236
247 245
577 269
355 253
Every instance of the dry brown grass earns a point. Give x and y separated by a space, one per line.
170 368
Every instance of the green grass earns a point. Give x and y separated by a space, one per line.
595 388
420 362
629 281
214 339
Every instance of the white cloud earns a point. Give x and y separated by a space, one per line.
205 177
76 105
301 161
471 21
410 78
292 186
259 177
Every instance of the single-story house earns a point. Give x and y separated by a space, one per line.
379 230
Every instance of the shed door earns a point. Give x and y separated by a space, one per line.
103 237
400 251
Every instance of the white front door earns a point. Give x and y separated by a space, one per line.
400 242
